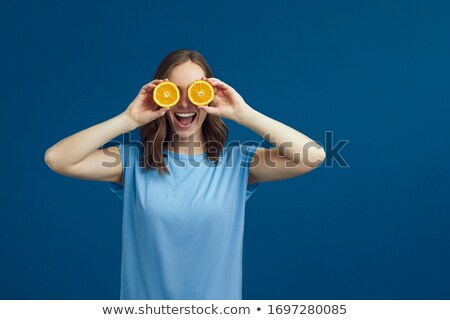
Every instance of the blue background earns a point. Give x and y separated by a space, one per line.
374 73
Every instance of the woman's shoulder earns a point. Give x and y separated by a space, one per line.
238 151
239 146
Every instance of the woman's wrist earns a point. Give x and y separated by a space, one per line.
127 124
244 116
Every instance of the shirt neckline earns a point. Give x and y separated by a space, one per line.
185 156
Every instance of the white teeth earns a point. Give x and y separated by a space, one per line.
185 115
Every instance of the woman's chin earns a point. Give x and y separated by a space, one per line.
183 133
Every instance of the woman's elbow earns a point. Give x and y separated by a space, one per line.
52 161
316 157
321 155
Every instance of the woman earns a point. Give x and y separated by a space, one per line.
184 191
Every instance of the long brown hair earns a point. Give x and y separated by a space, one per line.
156 134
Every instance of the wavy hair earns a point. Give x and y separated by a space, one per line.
155 135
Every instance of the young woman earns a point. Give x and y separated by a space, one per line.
184 191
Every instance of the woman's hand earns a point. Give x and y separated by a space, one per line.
227 102
143 109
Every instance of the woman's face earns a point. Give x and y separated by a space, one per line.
183 75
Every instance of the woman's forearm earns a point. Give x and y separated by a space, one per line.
78 146
290 142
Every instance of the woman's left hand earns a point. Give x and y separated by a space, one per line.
227 102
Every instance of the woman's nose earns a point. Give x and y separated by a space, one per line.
184 100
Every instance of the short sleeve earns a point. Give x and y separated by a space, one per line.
115 187
248 154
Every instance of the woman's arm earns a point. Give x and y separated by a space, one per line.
77 155
294 153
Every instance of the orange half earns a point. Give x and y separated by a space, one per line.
166 94
200 93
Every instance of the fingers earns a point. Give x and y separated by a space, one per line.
217 83
152 84
161 112
157 113
210 110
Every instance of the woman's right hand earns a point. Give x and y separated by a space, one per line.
143 109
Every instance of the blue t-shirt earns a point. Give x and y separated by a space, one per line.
182 234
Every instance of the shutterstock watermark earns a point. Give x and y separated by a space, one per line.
282 155
333 151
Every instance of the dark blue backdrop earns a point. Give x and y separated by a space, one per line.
373 73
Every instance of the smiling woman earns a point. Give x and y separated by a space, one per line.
187 128
184 192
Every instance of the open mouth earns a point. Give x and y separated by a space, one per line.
185 119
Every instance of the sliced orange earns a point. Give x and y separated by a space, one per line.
166 94
200 93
